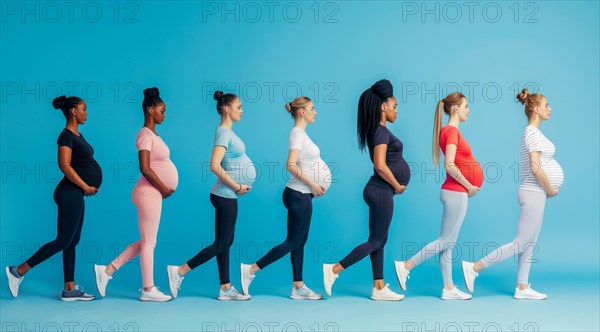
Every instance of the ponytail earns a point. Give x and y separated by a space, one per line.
437 127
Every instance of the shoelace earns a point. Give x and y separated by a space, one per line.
178 279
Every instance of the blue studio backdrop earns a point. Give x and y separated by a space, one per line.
269 53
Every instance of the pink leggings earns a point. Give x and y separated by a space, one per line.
149 208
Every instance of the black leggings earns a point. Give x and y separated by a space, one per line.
299 207
381 209
226 210
71 208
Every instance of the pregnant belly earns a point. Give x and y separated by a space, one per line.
473 172
90 172
242 171
319 172
166 172
401 172
554 172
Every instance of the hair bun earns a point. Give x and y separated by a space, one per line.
59 102
218 95
151 93
288 107
522 97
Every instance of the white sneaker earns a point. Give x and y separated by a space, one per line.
102 278
455 294
154 295
469 275
232 294
174 280
529 294
246 277
13 282
402 273
328 277
304 293
385 294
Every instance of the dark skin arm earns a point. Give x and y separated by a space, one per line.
64 163
148 173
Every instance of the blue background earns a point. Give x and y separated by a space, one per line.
188 48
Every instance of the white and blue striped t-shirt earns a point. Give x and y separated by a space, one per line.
533 140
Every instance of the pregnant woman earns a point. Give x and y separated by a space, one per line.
310 178
82 177
158 181
541 176
464 176
376 107
235 173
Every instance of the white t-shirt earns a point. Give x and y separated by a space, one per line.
533 140
309 161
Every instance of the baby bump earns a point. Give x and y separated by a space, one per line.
166 172
554 173
321 173
244 171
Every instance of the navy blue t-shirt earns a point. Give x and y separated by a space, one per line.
393 158
82 160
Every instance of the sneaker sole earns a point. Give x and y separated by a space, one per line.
398 277
384 299
9 275
327 289
155 300
465 278
72 299
455 298
244 291
530 298
98 281
230 299
305 298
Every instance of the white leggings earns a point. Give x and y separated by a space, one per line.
455 209
530 222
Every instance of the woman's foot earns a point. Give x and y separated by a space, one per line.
304 293
154 295
385 294
102 278
76 294
247 276
455 294
14 280
529 294
232 294
174 280
402 273
328 277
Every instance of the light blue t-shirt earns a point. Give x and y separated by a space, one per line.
235 162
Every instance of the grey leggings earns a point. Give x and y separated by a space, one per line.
530 222
455 208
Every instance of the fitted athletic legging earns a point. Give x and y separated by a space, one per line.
149 207
530 222
381 209
71 208
226 210
299 208
455 208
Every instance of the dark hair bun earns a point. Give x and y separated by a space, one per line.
59 102
218 95
151 93
522 97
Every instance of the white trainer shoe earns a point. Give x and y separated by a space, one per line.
529 294
304 293
232 294
385 294
246 277
154 295
13 282
102 278
402 273
328 277
174 280
455 294
469 275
